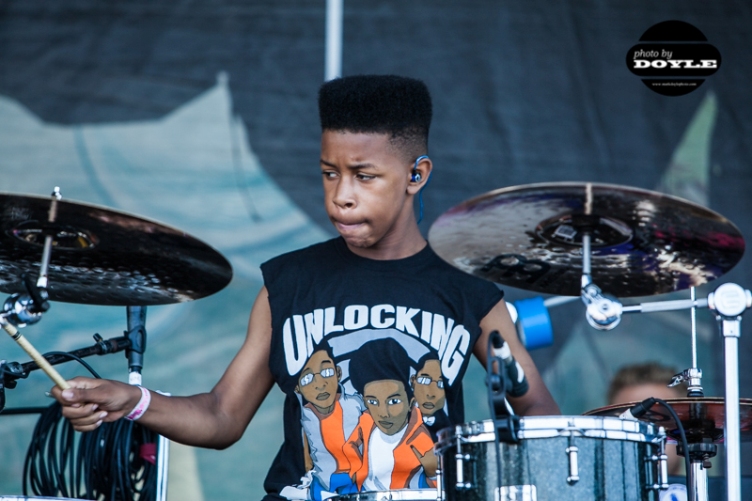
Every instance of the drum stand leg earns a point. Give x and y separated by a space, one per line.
136 335
733 432
163 460
699 454
729 301
698 480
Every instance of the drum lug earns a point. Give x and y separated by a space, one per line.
461 484
461 458
574 470
439 480
516 493
660 461
661 472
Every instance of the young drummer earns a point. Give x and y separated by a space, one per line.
378 280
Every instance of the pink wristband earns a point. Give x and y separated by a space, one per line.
141 406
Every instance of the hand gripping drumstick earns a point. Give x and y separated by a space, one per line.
34 354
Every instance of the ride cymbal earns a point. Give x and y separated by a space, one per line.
702 418
643 242
104 257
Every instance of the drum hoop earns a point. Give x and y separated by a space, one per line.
13 497
395 495
539 427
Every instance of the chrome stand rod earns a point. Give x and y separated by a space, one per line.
729 301
693 316
656 306
731 330
698 481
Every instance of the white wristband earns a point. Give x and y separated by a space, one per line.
141 406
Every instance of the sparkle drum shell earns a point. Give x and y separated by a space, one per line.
558 458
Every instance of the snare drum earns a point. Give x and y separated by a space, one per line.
558 458
396 495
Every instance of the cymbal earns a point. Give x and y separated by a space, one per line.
104 257
643 242
702 418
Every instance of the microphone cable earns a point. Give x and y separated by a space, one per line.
115 462
682 436
642 408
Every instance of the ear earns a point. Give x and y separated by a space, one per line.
339 373
423 168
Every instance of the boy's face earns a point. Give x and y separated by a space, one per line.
318 383
386 400
428 388
367 189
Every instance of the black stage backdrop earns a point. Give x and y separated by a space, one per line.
524 92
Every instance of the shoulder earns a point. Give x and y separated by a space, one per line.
306 252
348 402
462 280
300 259
365 423
416 430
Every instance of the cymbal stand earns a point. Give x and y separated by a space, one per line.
728 302
22 309
693 375
699 453
603 311
136 336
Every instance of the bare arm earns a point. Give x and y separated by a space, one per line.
537 401
216 419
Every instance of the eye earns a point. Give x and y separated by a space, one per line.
327 372
364 177
440 384
372 401
328 174
306 380
394 401
423 380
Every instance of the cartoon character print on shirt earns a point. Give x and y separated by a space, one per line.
430 397
380 392
390 448
328 416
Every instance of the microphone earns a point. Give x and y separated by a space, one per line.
512 370
638 410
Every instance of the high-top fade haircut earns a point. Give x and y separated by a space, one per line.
384 104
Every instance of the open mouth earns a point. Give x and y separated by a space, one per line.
429 405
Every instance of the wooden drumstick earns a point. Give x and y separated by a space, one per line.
34 354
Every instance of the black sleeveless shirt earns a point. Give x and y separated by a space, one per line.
370 355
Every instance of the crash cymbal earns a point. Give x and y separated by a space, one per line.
702 418
104 257
643 242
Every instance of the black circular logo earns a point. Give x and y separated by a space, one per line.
673 58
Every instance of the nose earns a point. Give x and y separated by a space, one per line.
320 382
384 411
344 194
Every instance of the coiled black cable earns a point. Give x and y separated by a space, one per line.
115 462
